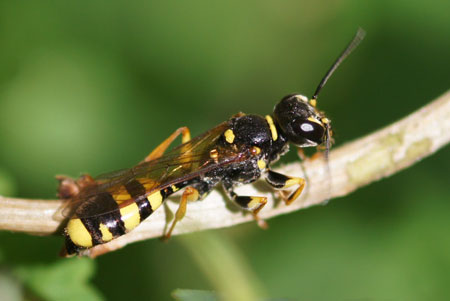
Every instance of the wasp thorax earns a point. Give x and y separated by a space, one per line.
300 121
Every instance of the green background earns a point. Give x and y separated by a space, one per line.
93 86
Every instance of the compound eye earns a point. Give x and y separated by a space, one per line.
310 130
306 127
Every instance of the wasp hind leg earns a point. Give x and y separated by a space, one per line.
69 188
248 203
280 181
160 149
190 194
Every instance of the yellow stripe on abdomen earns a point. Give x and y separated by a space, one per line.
78 233
130 216
155 200
106 234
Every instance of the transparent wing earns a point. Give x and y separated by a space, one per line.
184 162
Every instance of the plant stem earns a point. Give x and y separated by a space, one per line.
352 165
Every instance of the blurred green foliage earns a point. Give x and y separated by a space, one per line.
94 86
194 295
62 280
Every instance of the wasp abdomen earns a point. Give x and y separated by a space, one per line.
89 228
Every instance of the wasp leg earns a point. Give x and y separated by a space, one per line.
190 194
249 203
318 154
69 188
280 181
301 154
160 149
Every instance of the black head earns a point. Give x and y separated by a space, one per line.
298 117
301 122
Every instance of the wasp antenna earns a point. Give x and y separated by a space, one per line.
350 47
327 160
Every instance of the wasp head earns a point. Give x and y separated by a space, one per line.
298 117
301 122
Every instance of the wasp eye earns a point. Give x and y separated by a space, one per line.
306 130
306 127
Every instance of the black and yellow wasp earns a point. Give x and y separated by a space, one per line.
237 151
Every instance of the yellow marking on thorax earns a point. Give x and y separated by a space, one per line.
272 127
78 233
130 216
261 164
155 200
229 136
106 234
174 188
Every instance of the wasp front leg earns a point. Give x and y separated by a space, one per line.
190 194
248 203
160 149
280 181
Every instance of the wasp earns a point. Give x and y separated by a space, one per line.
237 151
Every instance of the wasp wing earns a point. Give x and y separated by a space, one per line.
183 163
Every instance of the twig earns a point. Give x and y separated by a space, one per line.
352 165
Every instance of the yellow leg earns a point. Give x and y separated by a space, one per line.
249 203
262 201
317 155
69 188
280 181
294 181
190 194
160 149
253 204
301 154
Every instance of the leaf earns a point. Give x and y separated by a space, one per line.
67 279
